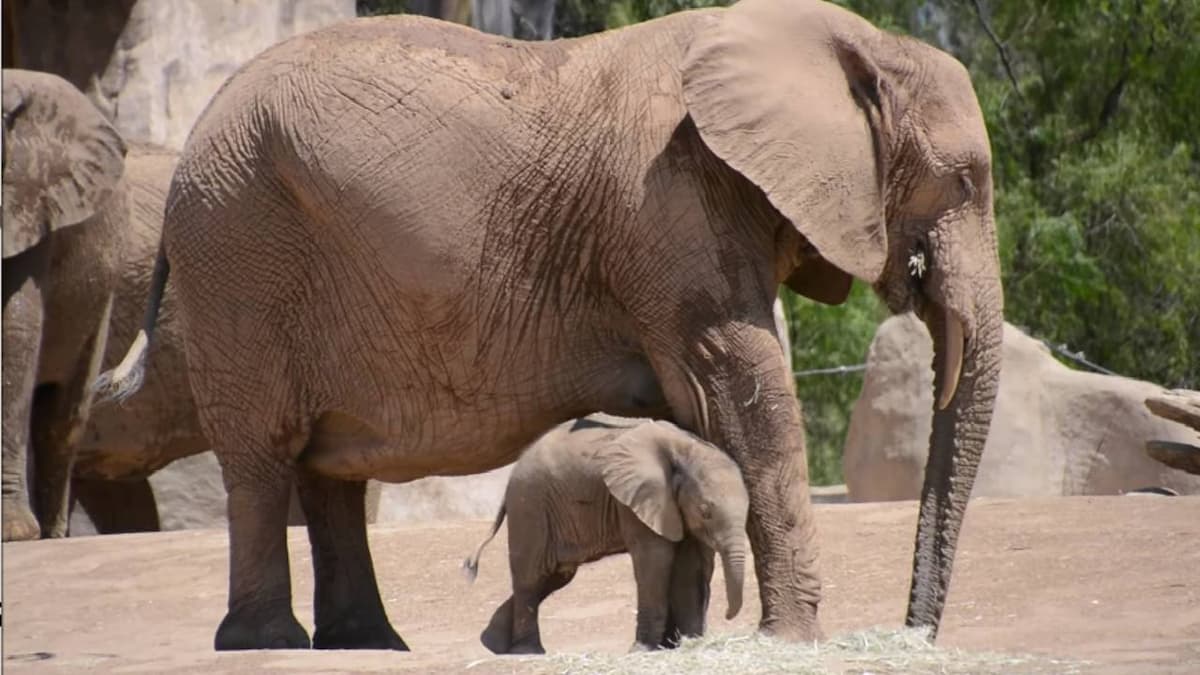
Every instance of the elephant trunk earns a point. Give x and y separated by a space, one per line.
966 364
733 564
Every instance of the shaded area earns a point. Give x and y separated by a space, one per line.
74 39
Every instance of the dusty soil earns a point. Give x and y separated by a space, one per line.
1114 581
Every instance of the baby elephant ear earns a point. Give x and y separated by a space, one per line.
639 478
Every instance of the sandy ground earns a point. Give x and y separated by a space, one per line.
1114 581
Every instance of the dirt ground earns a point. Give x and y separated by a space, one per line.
1114 581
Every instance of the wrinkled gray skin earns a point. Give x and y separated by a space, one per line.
64 215
625 206
602 485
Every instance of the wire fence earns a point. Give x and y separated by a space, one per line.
1060 349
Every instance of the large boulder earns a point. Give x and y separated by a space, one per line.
156 61
1056 431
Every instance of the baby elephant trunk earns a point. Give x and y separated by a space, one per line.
733 563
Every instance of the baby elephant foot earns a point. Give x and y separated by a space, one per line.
495 642
19 523
257 628
355 634
641 647
527 648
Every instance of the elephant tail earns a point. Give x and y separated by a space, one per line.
470 566
125 379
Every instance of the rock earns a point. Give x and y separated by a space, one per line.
444 497
157 61
829 494
1056 431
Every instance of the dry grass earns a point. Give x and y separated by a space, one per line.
874 651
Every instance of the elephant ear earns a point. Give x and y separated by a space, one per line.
640 477
785 93
62 158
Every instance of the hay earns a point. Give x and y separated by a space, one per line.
874 651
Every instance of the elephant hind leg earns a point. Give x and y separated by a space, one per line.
117 506
497 637
526 637
349 611
260 587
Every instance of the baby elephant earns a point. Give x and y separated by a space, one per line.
602 485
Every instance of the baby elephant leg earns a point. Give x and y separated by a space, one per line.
652 560
514 626
691 581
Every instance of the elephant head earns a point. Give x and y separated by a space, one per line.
675 482
62 158
873 147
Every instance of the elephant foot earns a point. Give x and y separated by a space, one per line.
642 647
495 642
355 634
260 629
671 639
527 648
798 631
19 523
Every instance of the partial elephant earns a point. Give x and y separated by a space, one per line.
625 207
119 447
599 486
64 214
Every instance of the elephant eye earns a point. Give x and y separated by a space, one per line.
967 186
706 510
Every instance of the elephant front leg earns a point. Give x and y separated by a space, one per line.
691 584
22 325
730 385
349 611
652 560
260 587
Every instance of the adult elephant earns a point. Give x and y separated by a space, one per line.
625 208
64 211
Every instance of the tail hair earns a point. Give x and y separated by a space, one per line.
126 378
123 381
470 566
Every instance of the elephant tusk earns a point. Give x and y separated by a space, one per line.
952 361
